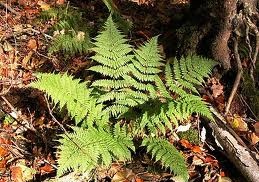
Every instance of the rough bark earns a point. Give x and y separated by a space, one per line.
218 19
235 149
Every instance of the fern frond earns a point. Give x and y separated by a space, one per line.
169 156
66 91
148 56
170 82
71 43
85 150
188 73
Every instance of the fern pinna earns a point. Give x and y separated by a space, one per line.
136 84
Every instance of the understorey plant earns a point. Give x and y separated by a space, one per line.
136 85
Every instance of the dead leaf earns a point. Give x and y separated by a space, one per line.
139 179
197 149
7 47
224 179
44 6
256 127
217 90
47 168
237 123
32 44
216 87
26 59
60 2
185 143
254 138
197 161
3 151
125 175
16 174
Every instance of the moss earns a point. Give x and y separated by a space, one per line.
192 135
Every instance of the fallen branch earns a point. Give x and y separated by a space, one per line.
234 147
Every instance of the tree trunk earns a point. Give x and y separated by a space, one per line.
215 24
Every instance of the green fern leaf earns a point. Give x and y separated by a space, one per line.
66 91
169 156
85 150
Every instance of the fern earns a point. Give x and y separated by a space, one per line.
71 43
169 156
113 56
135 84
84 150
75 96
188 73
71 35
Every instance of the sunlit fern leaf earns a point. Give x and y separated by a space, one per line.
66 91
171 83
115 57
85 149
71 33
168 155
71 43
74 96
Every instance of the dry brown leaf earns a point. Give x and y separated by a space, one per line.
197 149
47 168
125 175
43 5
7 47
186 143
237 123
26 59
16 174
256 127
60 2
254 138
197 161
32 44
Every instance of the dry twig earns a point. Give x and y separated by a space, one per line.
5 5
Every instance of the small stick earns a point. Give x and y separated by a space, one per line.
9 8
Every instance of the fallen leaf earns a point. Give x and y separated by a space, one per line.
139 179
44 6
237 123
3 151
217 90
183 128
254 138
256 127
224 179
7 47
197 149
125 175
16 174
185 143
216 87
47 168
26 59
32 44
197 161
60 2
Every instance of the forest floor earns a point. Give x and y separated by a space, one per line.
28 133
